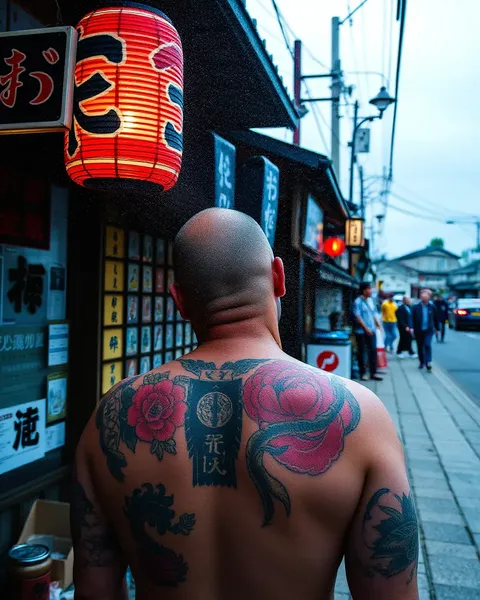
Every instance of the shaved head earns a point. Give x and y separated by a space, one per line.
222 260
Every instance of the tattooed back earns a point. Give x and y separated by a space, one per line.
248 478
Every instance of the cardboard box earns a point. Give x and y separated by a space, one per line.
49 522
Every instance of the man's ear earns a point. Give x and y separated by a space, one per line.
177 296
278 272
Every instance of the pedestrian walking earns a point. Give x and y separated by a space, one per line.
425 324
240 449
405 328
389 309
366 322
442 312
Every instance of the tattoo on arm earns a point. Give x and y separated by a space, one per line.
95 544
150 514
390 533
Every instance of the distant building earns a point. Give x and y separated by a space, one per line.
411 272
465 281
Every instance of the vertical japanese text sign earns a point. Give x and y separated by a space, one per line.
258 191
36 79
224 159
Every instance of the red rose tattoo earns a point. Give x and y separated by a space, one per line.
303 417
157 410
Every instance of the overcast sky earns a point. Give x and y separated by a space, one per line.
437 160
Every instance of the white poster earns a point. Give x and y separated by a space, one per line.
57 344
55 437
22 434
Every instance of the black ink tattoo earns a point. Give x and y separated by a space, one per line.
303 418
393 541
95 544
213 425
151 507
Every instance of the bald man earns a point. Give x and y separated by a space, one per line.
236 471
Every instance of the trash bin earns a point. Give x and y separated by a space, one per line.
330 351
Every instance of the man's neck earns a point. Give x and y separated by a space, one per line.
249 331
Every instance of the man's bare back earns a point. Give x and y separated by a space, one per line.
238 472
244 479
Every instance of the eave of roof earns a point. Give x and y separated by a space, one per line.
303 159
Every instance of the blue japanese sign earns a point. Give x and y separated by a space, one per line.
224 188
258 191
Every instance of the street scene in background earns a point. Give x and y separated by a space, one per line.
321 134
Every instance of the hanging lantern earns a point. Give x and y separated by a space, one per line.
128 102
334 246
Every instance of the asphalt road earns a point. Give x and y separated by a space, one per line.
460 357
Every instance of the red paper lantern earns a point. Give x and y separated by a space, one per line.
334 246
128 102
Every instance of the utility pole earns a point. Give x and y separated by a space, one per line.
297 85
362 193
336 91
353 156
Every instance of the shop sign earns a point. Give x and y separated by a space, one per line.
24 210
258 190
313 231
26 346
36 79
22 435
224 158
24 293
354 232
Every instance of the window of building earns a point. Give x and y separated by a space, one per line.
142 329
33 327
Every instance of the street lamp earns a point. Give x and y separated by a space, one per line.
381 101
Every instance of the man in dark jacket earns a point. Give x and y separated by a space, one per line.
425 324
405 328
442 312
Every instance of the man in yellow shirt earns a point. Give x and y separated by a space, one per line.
389 308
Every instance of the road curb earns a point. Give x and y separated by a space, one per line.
457 391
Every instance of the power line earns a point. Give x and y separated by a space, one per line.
401 14
416 215
426 201
315 116
419 206
282 29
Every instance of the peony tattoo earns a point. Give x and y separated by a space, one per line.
303 418
150 413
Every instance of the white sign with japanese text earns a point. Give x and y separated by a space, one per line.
55 437
57 344
22 434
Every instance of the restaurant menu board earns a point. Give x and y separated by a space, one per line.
142 329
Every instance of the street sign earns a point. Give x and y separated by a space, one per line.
354 233
328 361
36 79
258 191
362 143
224 158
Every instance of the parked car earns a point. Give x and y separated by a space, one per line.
463 313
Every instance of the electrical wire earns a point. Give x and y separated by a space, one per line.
282 28
419 206
425 200
401 14
316 117
416 215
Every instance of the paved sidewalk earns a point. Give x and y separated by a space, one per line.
440 428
